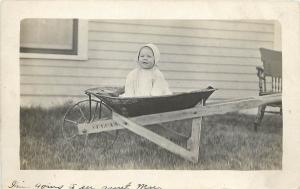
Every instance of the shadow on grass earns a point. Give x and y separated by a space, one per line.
228 142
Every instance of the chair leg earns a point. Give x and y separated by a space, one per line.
259 116
281 111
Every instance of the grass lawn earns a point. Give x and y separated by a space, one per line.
227 142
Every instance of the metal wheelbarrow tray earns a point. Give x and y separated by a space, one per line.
136 106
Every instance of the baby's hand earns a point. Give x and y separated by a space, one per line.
121 90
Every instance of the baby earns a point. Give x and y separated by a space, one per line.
146 79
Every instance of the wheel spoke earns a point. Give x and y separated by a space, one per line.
68 120
81 112
79 120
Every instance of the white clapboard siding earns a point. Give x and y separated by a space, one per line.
102 81
184 67
177 50
169 75
245 25
179 41
127 64
194 55
96 58
176 31
228 59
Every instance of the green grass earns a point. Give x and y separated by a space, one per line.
228 142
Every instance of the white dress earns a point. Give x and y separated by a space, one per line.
144 82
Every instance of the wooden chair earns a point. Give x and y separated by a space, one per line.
270 80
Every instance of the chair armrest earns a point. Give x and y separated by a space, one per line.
260 72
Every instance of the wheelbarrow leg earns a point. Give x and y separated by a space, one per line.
193 143
90 107
155 138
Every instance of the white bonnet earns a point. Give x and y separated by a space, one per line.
154 50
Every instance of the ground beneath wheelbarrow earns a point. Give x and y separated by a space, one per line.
227 142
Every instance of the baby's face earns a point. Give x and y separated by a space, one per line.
146 58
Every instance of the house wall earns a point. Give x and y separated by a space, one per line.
194 54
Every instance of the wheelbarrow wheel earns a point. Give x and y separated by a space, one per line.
82 112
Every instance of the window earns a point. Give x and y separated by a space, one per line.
54 39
